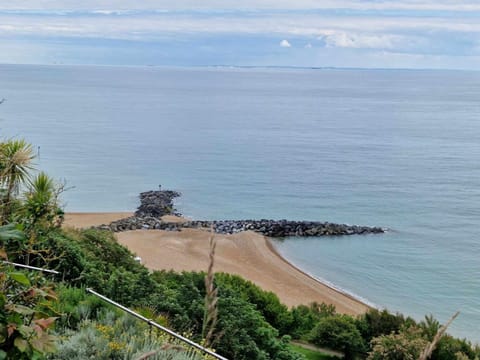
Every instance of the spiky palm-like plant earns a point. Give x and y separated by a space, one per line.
41 196
41 212
16 158
430 327
10 232
427 352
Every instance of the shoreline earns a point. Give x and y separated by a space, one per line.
250 255
329 284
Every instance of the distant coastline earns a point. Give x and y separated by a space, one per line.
241 67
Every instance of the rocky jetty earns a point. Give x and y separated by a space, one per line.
155 204
272 228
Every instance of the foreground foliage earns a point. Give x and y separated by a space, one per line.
110 335
24 330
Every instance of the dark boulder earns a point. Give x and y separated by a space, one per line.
156 204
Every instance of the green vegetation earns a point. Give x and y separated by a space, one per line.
52 317
311 354
111 335
338 332
23 328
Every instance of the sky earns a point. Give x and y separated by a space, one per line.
440 34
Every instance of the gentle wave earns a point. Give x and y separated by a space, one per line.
330 284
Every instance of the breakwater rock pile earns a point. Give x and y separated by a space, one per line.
272 228
156 204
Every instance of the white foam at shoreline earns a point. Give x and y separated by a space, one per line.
330 284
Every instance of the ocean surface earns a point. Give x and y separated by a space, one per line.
397 149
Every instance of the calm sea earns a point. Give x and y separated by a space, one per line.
398 149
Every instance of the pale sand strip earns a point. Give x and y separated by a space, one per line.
247 254
85 220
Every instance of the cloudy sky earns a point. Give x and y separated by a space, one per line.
312 33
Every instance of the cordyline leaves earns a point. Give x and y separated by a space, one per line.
20 309
11 232
16 158
20 278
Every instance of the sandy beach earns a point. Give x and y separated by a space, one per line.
247 254
84 220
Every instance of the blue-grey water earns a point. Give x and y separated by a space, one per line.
399 149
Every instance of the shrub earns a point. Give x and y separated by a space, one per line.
24 330
114 336
305 318
408 344
241 332
274 312
74 305
449 348
375 323
62 253
93 258
338 333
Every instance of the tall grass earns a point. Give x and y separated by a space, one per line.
211 297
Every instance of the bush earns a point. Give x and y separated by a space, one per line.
305 318
408 344
114 336
93 258
241 332
74 305
375 323
448 348
274 312
24 330
338 333
61 253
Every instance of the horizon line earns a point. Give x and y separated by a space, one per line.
226 66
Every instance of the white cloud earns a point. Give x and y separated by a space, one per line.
347 30
252 4
345 39
416 26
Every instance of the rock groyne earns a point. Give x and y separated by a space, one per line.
272 228
155 204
